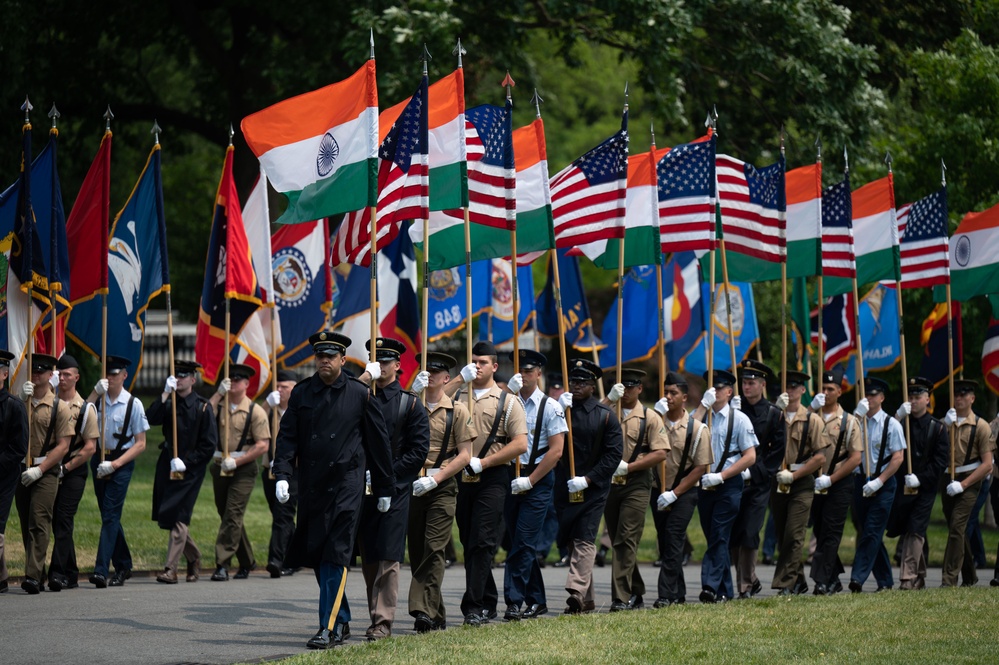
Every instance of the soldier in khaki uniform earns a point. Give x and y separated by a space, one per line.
501 424
50 431
431 512
973 448
794 485
63 570
687 459
232 492
645 446
841 435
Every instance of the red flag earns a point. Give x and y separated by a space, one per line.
87 229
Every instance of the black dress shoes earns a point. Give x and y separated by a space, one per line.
487 615
836 587
31 586
785 592
99 581
423 624
707 596
56 583
800 587
757 588
274 570
562 563
573 605
855 586
473 619
534 611
512 613
635 602
340 634
821 590
243 573
288 572
119 577
3 586
222 575
320 640
618 606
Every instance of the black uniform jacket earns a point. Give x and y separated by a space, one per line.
332 432
197 439
771 431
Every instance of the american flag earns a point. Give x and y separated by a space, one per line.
751 201
403 186
686 190
924 246
588 196
492 174
837 231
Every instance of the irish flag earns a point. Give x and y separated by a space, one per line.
875 232
320 149
974 257
641 218
535 233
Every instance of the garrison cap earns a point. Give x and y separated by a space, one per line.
674 379
872 385
386 348
530 359
754 369
835 375
287 375
721 378
329 342
238 371
117 364
484 348
5 358
187 367
920 384
438 362
796 378
631 377
67 362
965 386
584 369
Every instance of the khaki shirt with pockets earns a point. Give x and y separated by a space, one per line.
700 454
854 441
655 432
260 430
41 416
462 429
512 422
816 442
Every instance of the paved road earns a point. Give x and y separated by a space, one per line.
235 621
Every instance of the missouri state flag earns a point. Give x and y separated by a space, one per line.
320 149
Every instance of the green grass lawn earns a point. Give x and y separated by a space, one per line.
933 626
148 542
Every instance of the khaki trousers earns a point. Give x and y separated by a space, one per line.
181 543
912 572
35 506
232 494
579 581
382 582
625 519
431 518
957 510
791 512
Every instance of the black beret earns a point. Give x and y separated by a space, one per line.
67 362
484 348
674 379
287 375
835 375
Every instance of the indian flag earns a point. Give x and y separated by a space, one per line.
875 232
803 189
974 257
446 124
535 231
641 218
320 149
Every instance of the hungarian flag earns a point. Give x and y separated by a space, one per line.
320 149
990 356
229 276
935 364
974 257
588 196
304 289
641 218
686 191
875 232
534 199
403 182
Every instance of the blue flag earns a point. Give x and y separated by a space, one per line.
497 323
683 307
446 313
745 331
878 331
138 272
575 311
640 330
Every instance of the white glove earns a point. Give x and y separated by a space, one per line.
228 464
662 406
31 475
281 492
578 484
863 406
709 398
785 477
101 387
665 499
746 475
273 399
911 481
515 383
951 417
420 383
622 469
782 401
54 379
521 485
423 485
476 465
224 386
872 486
469 372
565 401
384 503
954 488
818 401
711 479
737 403
27 390
823 482
104 469
177 465
170 385
904 410
374 369
616 392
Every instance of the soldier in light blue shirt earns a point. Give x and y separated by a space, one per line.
733 449
874 487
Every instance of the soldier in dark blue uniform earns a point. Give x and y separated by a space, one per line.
383 540
13 448
333 429
597 443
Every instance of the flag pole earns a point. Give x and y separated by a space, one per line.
29 225
862 392
108 117
620 288
53 244
950 345
425 318
225 399
270 287
508 83
574 497
373 231
821 343
460 51
661 342
782 222
725 282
